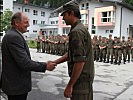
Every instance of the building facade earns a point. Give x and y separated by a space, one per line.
101 17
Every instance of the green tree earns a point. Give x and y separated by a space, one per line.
129 2
5 20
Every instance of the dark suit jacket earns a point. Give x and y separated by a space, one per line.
17 64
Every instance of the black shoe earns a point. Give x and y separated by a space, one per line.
119 63
115 62
107 61
100 60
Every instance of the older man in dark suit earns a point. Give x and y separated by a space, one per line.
16 60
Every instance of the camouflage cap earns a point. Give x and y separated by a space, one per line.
73 6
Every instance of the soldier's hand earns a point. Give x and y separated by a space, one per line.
51 65
68 91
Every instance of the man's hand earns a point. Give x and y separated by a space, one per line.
68 91
51 65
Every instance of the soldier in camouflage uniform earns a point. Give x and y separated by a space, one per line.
94 47
110 49
102 46
132 49
79 56
47 44
97 47
124 49
118 51
38 44
43 43
129 48
115 49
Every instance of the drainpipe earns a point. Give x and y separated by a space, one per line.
121 21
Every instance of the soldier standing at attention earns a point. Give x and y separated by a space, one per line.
97 47
79 56
115 49
132 49
129 48
110 49
124 50
94 47
38 44
118 51
102 47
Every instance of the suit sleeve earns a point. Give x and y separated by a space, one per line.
19 54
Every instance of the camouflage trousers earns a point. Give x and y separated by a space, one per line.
128 54
132 54
124 52
82 91
109 53
118 54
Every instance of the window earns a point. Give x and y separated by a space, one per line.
106 16
108 31
34 22
52 22
56 22
93 29
82 7
27 10
42 13
42 22
34 31
35 12
87 5
111 31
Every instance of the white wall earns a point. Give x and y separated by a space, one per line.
127 19
7 4
32 17
127 16
92 6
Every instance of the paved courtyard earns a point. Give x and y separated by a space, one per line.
112 82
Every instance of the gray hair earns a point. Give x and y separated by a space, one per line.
16 17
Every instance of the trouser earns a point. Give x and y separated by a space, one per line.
132 53
128 53
97 54
118 55
38 47
94 53
110 53
82 91
102 54
124 52
17 97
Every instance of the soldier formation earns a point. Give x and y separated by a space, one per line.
112 51
107 50
56 45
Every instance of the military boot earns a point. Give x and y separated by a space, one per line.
119 62
107 61
115 62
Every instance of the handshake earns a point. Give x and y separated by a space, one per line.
51 65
